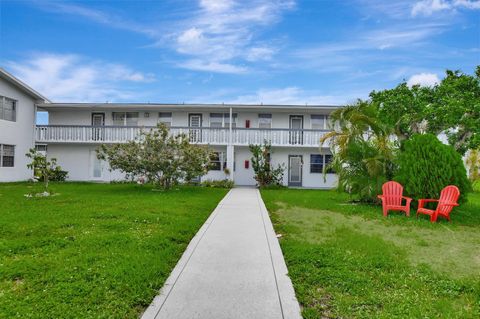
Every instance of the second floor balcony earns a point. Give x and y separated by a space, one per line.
71 134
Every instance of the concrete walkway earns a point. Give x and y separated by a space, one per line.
232 268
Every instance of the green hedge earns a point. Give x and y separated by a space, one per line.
426 166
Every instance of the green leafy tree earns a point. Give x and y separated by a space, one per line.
457 109
159 157
44 169
426 166
265 173
405 109
452 106
362 151
473 163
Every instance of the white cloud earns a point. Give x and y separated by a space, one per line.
98 16
216 5
224 32
468 4
429 7
289 96
212 66
260 53
68 77
423 79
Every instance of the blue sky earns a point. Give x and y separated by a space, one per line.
249 51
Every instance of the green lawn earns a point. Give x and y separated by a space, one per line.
94 250
347 261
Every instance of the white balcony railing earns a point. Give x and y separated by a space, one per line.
203 135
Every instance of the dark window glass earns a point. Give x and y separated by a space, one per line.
215 162
8 155
328 160
316 163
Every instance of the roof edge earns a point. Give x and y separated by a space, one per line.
21 85
139 105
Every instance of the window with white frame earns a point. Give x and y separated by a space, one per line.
218 161
222 120
7 155
319 161
165 118
318 121
8 109
125 118
265 121
41 148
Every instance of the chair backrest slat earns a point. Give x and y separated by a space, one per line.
392 193
449 195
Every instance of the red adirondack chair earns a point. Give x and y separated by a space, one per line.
392 198
448 199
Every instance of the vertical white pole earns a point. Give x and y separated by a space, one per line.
230 149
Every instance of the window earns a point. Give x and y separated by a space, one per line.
218 161
316 163
125 118
222 120
165 118
328 160
216 119
318 121
8 109
41 148
319 161
265 121
7 155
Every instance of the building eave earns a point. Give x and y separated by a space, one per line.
156 106
22 86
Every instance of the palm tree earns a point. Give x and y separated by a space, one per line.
363 149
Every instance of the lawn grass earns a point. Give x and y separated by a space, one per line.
94 250
346 260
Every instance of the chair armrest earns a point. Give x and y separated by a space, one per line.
450 204
423 201
408 199
380 196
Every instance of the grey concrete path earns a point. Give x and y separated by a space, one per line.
232 268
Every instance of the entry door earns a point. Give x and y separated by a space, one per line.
296 129
98 120
194 121
295 163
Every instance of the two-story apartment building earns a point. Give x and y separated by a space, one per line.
17 126
75 130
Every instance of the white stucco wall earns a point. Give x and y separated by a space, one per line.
18 133
180 118
79 159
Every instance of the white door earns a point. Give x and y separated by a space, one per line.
194 121
295 170
98 120
296 129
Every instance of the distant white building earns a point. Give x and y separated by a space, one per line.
17 126
75 130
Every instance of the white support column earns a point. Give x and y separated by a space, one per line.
230 148
230 160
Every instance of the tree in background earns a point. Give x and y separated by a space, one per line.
426 166
45 170
159 157
265 173
362 151
452 106
473 163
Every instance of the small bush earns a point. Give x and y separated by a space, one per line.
426 166
265 173
224 183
